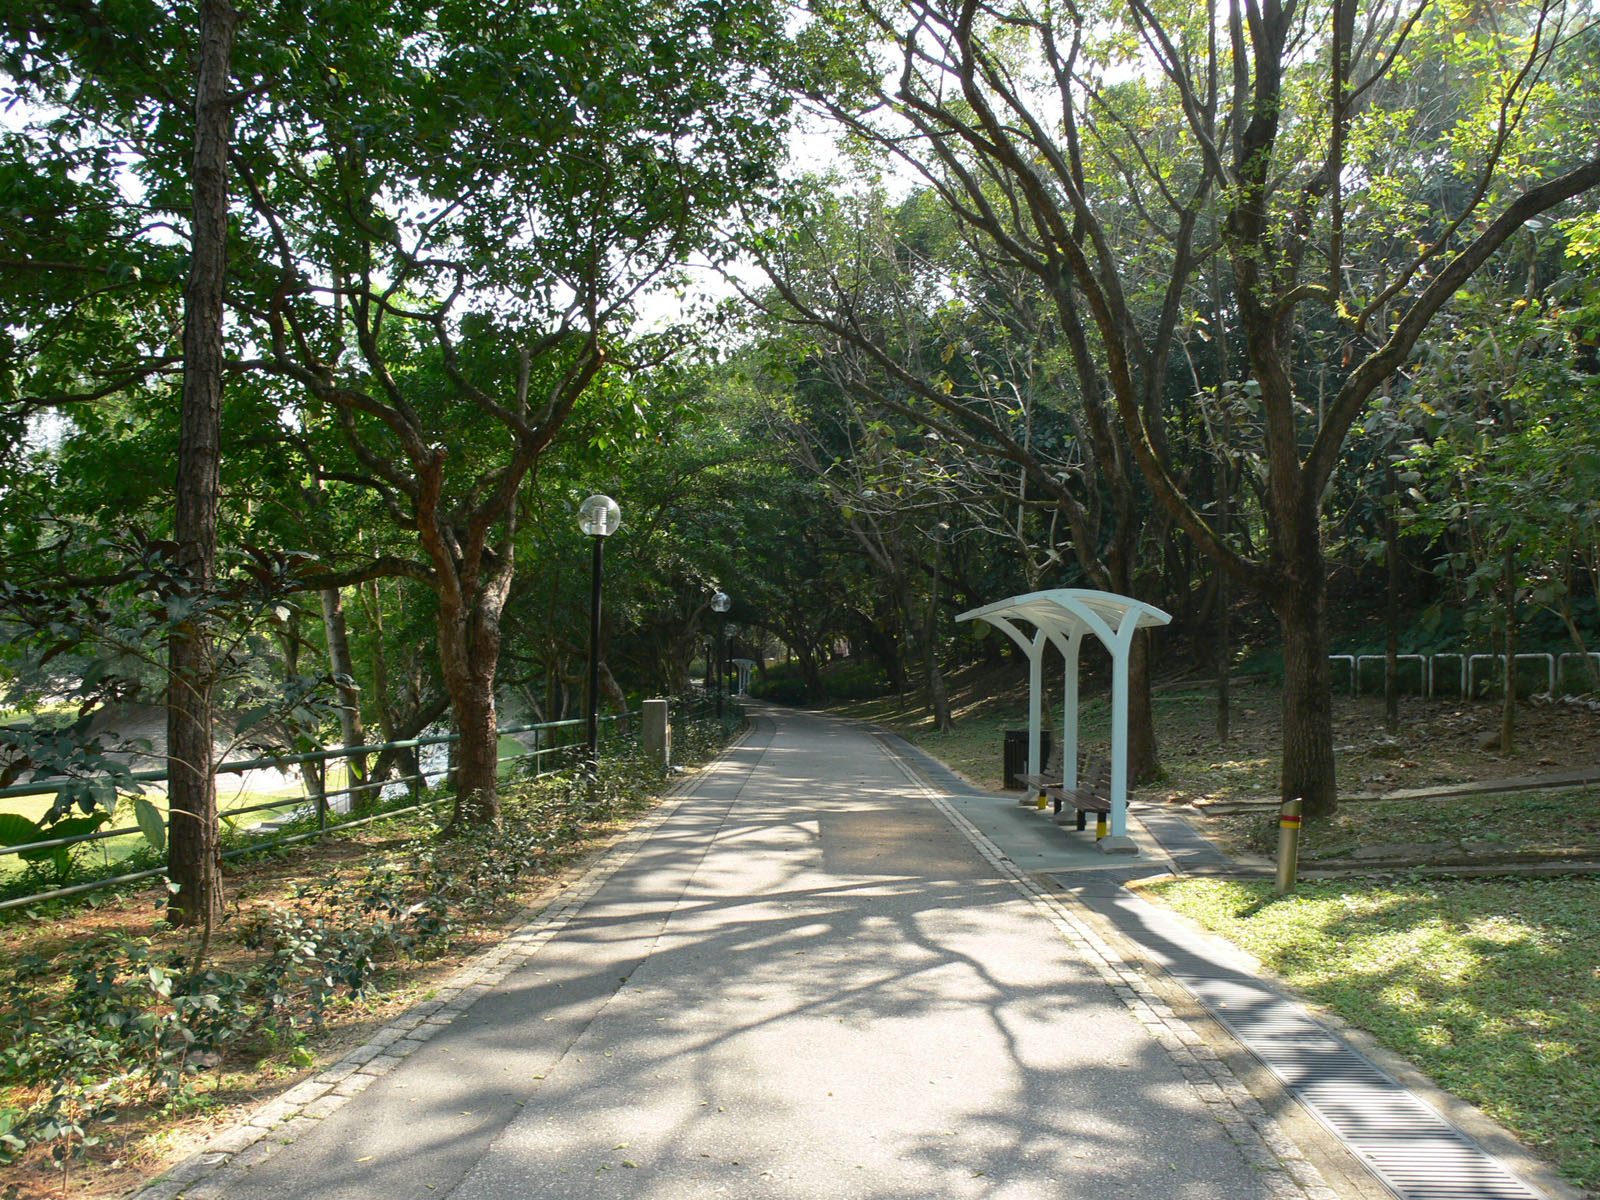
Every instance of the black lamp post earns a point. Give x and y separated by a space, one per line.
720 604
598 518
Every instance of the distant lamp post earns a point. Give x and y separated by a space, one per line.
598 518
720 604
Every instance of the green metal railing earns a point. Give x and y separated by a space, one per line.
560 745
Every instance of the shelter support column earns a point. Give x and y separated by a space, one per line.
1119 745
1069 711
1035 701
1119 842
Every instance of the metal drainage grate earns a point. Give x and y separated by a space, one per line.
1410 1146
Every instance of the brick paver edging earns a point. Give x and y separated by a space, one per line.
224 1159
1283 1166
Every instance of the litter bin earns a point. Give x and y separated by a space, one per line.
1016 755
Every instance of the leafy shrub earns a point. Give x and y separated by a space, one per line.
849 679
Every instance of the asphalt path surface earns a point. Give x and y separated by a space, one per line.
805 984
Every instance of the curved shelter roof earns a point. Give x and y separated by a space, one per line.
1060 617
1064 611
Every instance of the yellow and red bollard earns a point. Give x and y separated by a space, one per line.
1288 845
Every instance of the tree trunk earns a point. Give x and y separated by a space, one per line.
1224 603
313 773
469 652
1508 692
888 648
1144 755
194 854
1219 342
938 694
349 693
405 761
611 689
1591 671
1391 645
811 673
1308 766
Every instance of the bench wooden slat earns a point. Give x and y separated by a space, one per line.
1050 777
1051 774
1092 796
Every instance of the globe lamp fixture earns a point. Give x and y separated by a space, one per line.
599 516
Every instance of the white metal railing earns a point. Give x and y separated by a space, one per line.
1465 669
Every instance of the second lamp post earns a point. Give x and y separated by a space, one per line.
598 518
720 604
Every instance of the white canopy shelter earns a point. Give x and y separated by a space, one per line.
1061 617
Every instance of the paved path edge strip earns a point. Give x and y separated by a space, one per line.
1493 1138
1288 1174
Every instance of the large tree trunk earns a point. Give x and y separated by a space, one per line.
194 856
887 646
1308 767
938 694
1144 755
1391 641
811 673
1508 690
1224 602
469 653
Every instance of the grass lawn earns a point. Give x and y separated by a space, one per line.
1491 986
233 799
230 800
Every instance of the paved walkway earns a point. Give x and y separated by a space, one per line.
808 976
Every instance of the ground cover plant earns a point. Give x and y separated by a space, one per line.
125 1042
1491 986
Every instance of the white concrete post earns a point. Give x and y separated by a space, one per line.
656 735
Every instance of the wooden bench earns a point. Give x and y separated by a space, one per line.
1045 778
1092 795
1050 777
